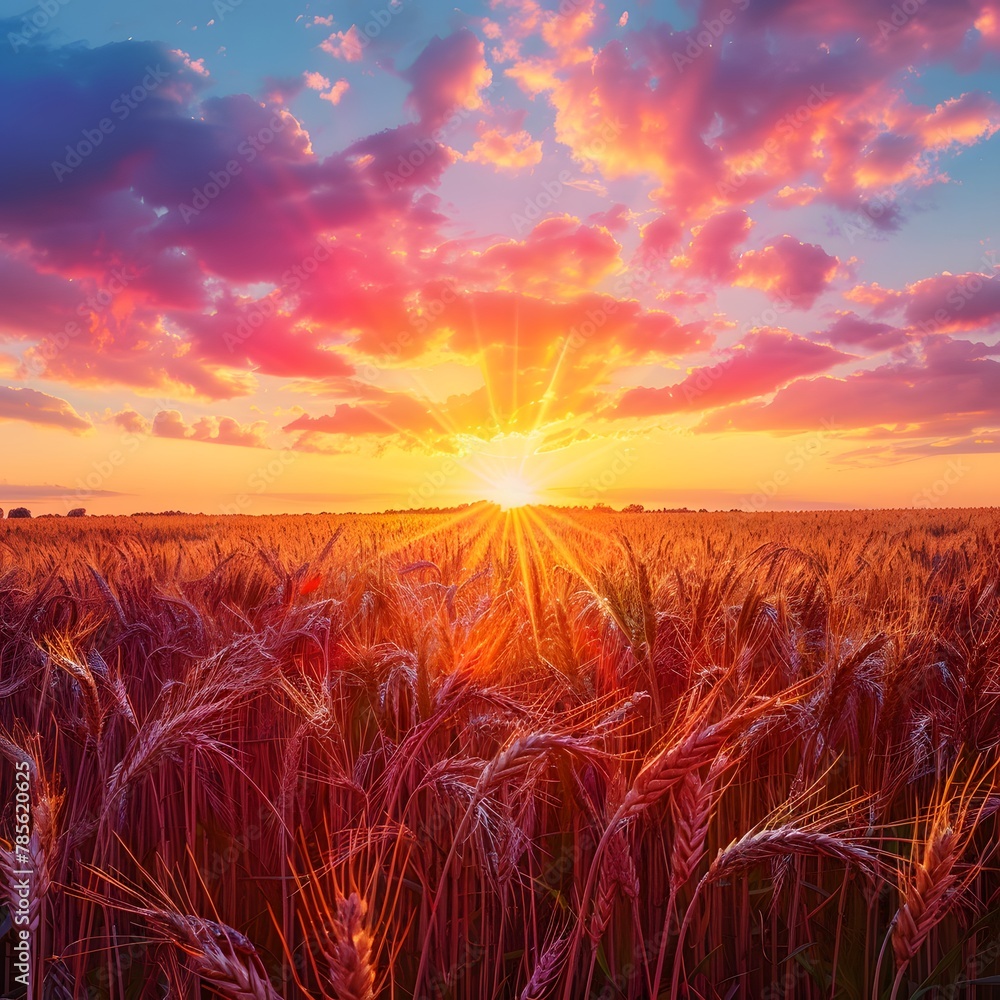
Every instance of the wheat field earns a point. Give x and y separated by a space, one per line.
477 754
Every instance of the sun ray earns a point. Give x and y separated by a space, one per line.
559 544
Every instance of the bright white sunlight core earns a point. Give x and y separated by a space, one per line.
512 491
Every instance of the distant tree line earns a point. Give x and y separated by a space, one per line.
20 512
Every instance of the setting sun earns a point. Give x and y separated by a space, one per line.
512 491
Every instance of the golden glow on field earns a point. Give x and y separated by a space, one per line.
512 490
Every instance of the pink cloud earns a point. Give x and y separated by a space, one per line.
401 282
660 236
347 45
448 74
393 412
211 430
715 120
336 93
955 383
558 256
764 361
953 302
943 303
790 270
851 330
711 252
35 407
129 420
616 219
332 92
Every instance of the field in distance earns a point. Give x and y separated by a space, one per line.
487 754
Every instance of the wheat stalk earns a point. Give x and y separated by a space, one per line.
759 846
546 971
347 947
938 877
618 873
221 956
692 807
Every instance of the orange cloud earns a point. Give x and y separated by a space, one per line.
559 257
509 152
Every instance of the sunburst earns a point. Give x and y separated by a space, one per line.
512 490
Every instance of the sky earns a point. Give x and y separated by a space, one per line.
258 258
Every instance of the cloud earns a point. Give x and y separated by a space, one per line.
537 330
715 121
212 430
332 92
252 254
559 256
943 303
764 361
335 94
130 421
953 302
396 412
508 152
192 197
35 407
448 74
711 254
954 389
851 330
660 236
24 492
788 270
347 45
